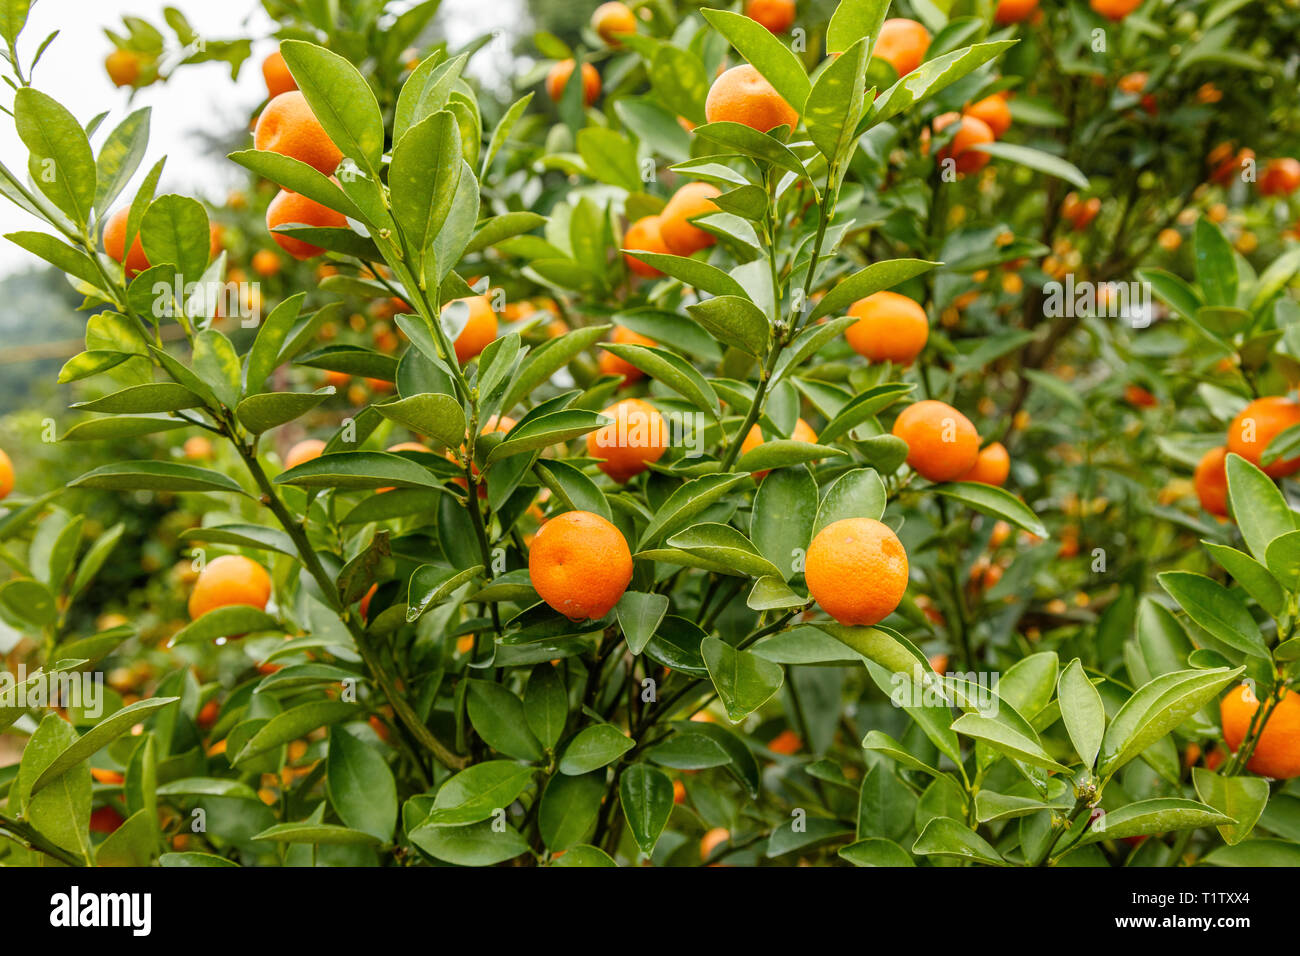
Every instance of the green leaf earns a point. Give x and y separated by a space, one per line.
875 851
646 795
782 453
342 101
1216 266
592 748
1006 738
687 501
545 430
1221 612
852 21
294 723
569 808
639 616
1036 159
694 272
784 514
680 81
361 787
1256 579
498 717
479 844
1283 559
725 545
260 413
1081 711
1241 798
478 792
734 320
546 704
766 53
995 502
234 620
855 494
320 834
61 163
98 737
423 177
868 281
296 176
431 583
744 681
432 414
143 399
944 836
1159 815
671 370
131 844
1255 853
931 77
175 230
835 104
359 469
1257 505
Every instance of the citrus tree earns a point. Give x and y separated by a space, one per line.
690 458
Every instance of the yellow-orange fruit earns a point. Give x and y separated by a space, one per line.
971 132
890 328
197 448
304 451
856 570
115 244
684 238
635 440
278 78
265 263
942 444
1277 751
776 15
712 840
902 44
995 113
580 565
612 19
1014 11
611 364
1281 177
644 235
743 95
1211 481
991 467
230 580
558 78
123 67
479 331
1114 9
6 475
289 127
294 208
1258 424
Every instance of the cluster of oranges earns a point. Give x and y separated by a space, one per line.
1249 435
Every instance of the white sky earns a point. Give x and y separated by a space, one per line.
195 96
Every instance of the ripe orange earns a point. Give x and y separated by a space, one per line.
712 840
276 73
580 564
1257 424
972 132
208 713
558 78
786 742
1277 751
265 263
776 15
856 569
636 439
197 448
802 432
1014 11
228 580
305 450
942 444
1211 481
995 113
683 238
115 244
123 67
611 364
1281 177
289 127
1135 84
1114 9
6 475
890 328
991 467
293 208
902 44
644 234
479 331
743 95
105 820
611 19
1139 397
110 777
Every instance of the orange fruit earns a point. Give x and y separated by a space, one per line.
971 132
802 432
776 15
995 113
105 820
265 263
1139 397
1135 84
305 450
712 840
123 67
1169 239
340 380
856 570
991 467
743 95
611 364
890 328
289 127
679 792
1211 481
278 78
197 448
1258 424
1277 751
902 44
115 244
6 475
942 444
682 237
110 777
580 564
293 208
627 446
786 742
363 606
208 713
1281 177
611 19
479 331
1014 11
644 234
229 580
558 78
1114 9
